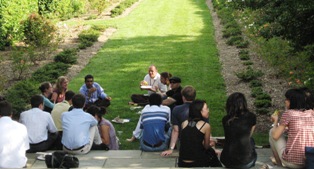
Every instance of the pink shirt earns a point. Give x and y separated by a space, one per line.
300 134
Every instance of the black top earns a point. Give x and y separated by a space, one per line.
239 148
191 143
176 95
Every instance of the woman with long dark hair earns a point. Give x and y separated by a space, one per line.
239 124
195 150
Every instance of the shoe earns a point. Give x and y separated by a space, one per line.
131 139
273 160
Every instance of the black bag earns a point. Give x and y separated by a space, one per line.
213 158
60 159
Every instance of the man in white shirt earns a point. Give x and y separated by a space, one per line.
41 129
151 83
13 139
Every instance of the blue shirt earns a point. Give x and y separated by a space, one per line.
76 124
47 102
154 119
99 93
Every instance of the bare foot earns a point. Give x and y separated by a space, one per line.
131 139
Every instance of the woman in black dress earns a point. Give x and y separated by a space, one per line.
239 124
195 150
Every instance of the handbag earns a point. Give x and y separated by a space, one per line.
60 159
309 157
213 158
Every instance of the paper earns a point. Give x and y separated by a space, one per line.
146 87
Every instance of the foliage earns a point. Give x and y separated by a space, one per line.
20 63
118 10
99 5
256 83
262 103
256 91
247 63
244 54
19 95
38 31
87 38
12 12
249 74
41 37
99 28
231 32
50 72
68 56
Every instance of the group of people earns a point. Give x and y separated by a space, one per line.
58 119
172 118
167 102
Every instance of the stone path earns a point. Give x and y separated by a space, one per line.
136 159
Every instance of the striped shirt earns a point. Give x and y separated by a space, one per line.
300 134
154 119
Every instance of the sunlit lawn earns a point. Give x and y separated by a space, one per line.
176 36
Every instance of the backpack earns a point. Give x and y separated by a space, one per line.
60 159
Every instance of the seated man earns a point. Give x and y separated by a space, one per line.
151 83
153 122
79 128
41 129
174 95
56 112
13 139
94 93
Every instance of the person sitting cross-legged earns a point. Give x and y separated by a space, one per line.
79 128
153 121
42 131
94 93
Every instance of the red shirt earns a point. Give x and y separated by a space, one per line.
300 134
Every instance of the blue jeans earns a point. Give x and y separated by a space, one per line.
162 147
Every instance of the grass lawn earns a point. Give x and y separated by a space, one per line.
177 36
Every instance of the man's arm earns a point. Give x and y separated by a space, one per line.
101 92
168 101
173 141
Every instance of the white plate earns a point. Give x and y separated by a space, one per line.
122 121
146 87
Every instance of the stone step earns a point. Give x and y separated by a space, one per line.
136 159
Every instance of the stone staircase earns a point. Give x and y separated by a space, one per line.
137 159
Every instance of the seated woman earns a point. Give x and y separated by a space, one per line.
46 91
239 124
297 122
164 79
195 149
106 130
58 94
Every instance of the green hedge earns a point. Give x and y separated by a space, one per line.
12 12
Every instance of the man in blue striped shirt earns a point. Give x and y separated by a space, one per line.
153 122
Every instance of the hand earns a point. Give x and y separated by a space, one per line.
274 117
91 90
144 83
166 153
108 98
